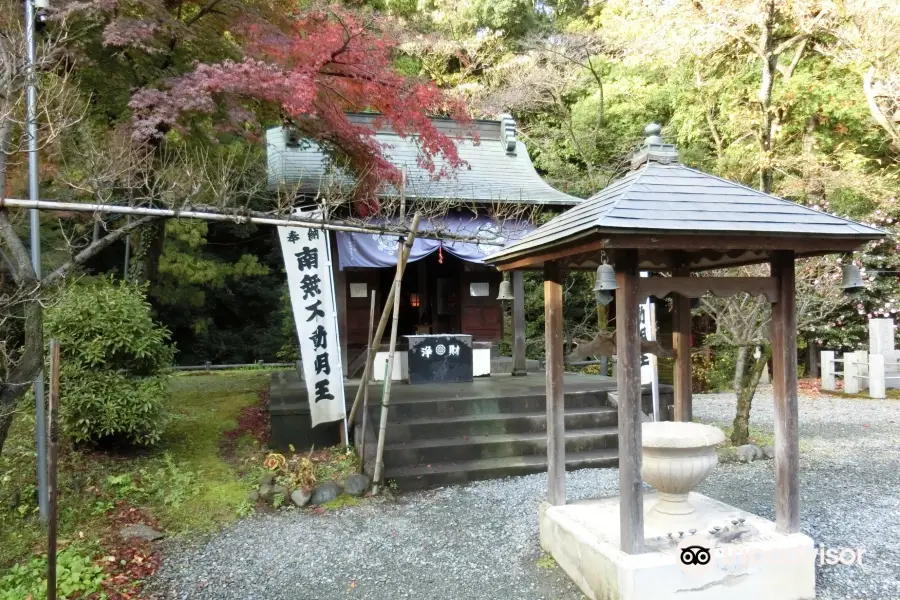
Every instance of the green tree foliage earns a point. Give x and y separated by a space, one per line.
113 360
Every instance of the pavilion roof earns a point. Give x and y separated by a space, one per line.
665 207
498 168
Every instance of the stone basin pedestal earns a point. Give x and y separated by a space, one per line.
748 558
677 457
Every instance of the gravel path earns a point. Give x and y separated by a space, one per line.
481 540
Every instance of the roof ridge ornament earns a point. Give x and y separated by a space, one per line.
508 132
654 149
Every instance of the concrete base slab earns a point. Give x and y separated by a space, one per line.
749 560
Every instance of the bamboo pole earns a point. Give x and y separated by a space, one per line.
250 217
365 384
406 248
52 459
385 403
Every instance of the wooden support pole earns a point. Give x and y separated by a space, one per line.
403 255
53 463
365 383
518 319
628 348
784 379
556 426
681 343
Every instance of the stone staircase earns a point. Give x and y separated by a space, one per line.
434 442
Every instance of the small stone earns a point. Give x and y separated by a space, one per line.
253 496
140 531
280 490
356 485
768 451
266 492
326 492
300 497
749 452
267 479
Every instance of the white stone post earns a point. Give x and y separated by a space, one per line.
876 376
826 361
881 336
851 373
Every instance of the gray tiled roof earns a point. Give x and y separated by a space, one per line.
675 199
492 173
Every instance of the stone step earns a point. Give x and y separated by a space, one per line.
495 424
430 451
480 405
438 474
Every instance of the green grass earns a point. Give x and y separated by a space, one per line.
546 561
186 482
342 501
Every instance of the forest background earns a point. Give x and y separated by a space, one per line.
798 98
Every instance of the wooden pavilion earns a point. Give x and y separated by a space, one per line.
664 217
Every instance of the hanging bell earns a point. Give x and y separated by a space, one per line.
606 279
506 292
852 280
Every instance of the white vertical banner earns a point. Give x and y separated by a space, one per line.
649 362
308 262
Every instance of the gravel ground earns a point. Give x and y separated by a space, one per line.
481 540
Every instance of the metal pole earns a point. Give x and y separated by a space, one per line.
40 417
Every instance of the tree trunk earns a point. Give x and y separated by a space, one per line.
749 381
148 253
740 367
21 376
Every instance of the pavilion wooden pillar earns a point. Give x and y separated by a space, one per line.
784 379
556 427
518 319
628 345
681 343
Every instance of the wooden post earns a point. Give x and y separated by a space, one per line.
389 378
556 426
365 383
518 318
784 380
52 459
681 343
628 347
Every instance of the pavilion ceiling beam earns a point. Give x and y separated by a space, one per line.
696 287
729 250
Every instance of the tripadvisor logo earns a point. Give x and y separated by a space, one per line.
695 557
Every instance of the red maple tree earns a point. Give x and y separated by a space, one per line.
314 67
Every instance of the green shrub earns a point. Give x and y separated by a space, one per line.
76 577
113 361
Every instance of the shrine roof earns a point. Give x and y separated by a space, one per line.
498 167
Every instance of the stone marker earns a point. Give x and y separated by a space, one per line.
356 485
326 492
